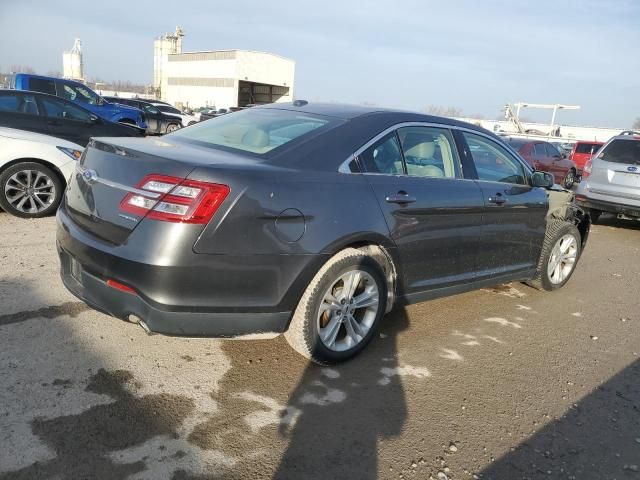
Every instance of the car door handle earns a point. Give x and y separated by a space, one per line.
498 199
53 122
401 198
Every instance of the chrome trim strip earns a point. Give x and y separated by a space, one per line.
343 168
119 186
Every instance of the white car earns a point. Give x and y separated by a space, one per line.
170 110
34 170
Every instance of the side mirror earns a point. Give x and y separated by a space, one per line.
542 179
564 155
101 101
94 119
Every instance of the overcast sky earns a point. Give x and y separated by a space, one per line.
469 54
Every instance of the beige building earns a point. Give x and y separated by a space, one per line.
219 78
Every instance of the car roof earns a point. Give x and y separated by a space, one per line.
349 112
37 137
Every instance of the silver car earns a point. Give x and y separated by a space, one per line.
611 179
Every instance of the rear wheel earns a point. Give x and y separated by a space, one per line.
30 190
340 309
570 179
559 256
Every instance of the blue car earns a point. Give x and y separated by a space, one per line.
81 94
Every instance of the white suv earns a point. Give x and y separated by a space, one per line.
611 178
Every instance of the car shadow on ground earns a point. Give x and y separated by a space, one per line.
598 438
328 423
610 220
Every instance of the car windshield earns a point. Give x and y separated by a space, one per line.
622 151
254 130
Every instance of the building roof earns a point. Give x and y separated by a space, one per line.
225 54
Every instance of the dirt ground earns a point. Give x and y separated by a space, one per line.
502 383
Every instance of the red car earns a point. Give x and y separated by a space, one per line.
545 157
582 152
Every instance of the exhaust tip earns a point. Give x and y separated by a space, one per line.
136 319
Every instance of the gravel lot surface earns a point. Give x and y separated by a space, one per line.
502 383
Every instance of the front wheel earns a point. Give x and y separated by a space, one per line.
172 127
30 190
340 309
559 256
569 180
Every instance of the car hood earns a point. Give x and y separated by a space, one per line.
118 107
37 137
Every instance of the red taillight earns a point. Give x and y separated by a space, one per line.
172 199
586 170
121 286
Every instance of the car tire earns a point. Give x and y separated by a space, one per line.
172 127
595 215
560 253
30 190
326 302
570 179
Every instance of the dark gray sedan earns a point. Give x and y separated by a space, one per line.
312 220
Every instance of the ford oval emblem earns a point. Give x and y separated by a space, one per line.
632 169
90 176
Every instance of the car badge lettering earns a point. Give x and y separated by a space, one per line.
90 176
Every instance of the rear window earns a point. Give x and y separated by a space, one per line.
42 85
254 130
622 151
589 148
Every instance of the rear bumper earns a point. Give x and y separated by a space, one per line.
610 207
191 294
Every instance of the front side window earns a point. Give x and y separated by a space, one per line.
384 156
77 93
169 109
493 162
151 109
428 151
255 130
552 151
58 109
622 151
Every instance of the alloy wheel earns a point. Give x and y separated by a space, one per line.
562 259
30 191
348 310
569 180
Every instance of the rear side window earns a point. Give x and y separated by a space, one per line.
255 130
539 149
384 156
589 148
622 151
8 103
493 162
42 85
428 151
59 109
19 103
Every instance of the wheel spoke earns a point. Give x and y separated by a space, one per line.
353 329
29 176
330 332
39 200
365 299
351 282
557 271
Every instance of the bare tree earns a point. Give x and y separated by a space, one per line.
54 73
22 69
636 124
441 111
